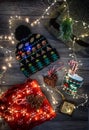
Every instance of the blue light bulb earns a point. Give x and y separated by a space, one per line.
28 48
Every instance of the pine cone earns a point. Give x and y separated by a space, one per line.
35 101
51 80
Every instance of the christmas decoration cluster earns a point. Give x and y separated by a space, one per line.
25 106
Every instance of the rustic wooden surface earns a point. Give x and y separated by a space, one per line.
34 9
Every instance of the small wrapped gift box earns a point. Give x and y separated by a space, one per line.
67 108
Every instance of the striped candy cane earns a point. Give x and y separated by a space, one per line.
74 66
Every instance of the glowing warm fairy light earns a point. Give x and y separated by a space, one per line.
55 0
27 20
3 82
86 35
47 89
48 7
11 17
2 107
16 16
27 91
76 21
70 48
47 13
1 47
77 38
5 37
52 4
6 52
9 20
10 23
32 24
9 37
12 42
84 23
39 22
34 84
70 54
85 27
12 34
46 10
42 16
19 17
9 65
4 67
73 41
64 5
82 36
35 22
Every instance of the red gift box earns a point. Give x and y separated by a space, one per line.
25 106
